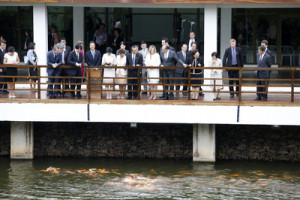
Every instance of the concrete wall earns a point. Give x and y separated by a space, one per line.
158 141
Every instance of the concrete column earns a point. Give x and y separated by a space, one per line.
78 24
40 34
226 22
204 143
210 35
21 142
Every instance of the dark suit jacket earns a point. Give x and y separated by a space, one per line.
171 61
227 59
179 64
199 60
198 44
118 43
51 60
266 62
72 60
68 49
1 61
96 61
138 61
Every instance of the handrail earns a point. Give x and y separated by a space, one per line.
292 82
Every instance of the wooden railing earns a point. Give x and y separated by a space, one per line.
91 88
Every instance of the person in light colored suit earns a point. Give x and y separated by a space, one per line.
216 74
144 51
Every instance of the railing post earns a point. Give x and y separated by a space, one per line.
39 82
293 85
240 84
89 84
139 83
189 84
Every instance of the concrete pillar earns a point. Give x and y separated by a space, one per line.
204 143
78 24
40 34
21 142
210 35
226 22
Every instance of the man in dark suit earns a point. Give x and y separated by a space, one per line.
75 59
180 73
169 59
263 61
54 60
265 43
3 87
65 81
191 41
93 56
165 41
133 59
233 58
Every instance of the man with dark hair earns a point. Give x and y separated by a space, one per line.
169 59
191 41
75 59
65 81
134 59
3 86
54 60
233 58
263 61
165 41
144 51
101 38
64 42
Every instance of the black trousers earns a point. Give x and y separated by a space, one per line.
262 89
132 83
76 81
3 86
168 74
180 80
65 80
233 74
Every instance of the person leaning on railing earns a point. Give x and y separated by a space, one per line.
32 60
195 61
121 73
64 72
109 60
3 86
75 59
153 60
54 61
217 85
11 57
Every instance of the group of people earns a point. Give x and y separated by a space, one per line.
121 68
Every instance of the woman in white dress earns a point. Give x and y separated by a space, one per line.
216 74
109 60
153 60
121 73
11 57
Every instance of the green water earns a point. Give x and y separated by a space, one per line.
147 179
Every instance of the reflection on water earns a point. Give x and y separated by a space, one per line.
148 179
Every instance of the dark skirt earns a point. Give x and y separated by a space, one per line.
196 81
11 71
33 72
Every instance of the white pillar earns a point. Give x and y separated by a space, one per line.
78 24
210 35
225 30
40 34
204 143
21 142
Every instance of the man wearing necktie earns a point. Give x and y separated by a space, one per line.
65 81
54 61
191 41
75 59
233 58
263 61
181 73
144 51
133 59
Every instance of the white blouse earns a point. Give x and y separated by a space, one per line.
109 59
11 59
152 60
